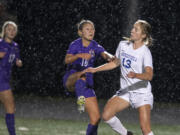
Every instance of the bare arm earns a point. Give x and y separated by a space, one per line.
2 54
147 75
108 66
107 56
71 58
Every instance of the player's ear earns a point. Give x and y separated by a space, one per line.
80 33
144 36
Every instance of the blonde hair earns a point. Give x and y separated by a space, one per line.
5 25
146 29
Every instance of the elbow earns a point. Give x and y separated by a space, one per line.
66 61
150 77
2 55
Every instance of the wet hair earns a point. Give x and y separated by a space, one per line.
146 29
2 35
82 23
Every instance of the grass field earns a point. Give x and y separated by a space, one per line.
27 126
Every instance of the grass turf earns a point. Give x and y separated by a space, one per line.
27 126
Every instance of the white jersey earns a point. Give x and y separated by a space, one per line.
134 60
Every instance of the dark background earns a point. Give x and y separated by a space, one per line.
46 29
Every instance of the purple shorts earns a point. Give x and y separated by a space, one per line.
65 77
4 85
89 93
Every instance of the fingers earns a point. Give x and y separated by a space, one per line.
112 58
131 74
86 56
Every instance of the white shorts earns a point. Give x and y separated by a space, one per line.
137 99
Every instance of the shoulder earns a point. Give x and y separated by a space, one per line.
125 43
95 44
15 44
146 49
1 41
76 43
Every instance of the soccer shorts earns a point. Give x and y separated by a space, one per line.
137 99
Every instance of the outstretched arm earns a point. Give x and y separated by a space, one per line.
107 56
108 66
71 58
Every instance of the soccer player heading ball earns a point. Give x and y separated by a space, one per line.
82 54
135 61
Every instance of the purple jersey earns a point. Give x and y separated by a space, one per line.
11 54
77 47
80 64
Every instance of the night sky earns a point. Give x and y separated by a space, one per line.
46 28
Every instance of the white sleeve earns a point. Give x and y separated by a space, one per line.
148 59
118 51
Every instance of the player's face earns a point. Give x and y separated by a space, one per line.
10 32
136 33
88 32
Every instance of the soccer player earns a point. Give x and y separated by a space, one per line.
135 61
81 54
9 54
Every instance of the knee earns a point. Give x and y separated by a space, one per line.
105 116
95 120
10 109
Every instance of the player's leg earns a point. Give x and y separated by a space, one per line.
8 101
80 88
92 109
71 80
144 118
114 105
144 103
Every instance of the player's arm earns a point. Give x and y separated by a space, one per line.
147 75
107 56
108 66
19 63
70 58
2 54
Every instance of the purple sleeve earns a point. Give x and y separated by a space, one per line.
17 54
2 48
72 49
99 49
17 51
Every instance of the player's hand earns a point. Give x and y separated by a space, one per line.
90 69
86 56
111 58
19 63
131 74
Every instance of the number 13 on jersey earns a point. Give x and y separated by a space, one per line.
126 63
